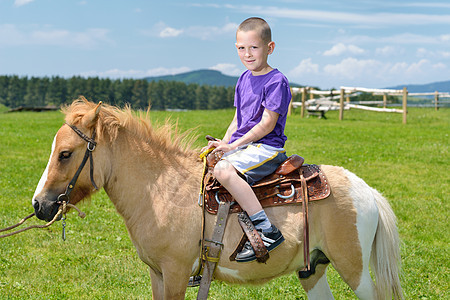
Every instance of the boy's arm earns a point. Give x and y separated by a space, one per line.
232 128
265 126
227 137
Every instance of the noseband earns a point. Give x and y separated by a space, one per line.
87 155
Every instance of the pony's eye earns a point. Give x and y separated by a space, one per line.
64 155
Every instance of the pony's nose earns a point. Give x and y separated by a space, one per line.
36 205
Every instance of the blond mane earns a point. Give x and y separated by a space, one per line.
112 119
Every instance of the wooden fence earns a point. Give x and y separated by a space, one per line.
340 100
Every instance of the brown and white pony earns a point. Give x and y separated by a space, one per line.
152 177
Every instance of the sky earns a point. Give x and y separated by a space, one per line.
326 44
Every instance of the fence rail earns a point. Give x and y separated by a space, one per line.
326 100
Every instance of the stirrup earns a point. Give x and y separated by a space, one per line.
271 241
194 281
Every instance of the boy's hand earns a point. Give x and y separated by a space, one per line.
220 146
210 145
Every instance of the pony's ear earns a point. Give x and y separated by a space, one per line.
90 118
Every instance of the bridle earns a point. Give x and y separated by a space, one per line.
87 155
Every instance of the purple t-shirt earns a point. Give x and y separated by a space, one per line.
255 93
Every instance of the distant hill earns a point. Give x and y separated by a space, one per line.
202 77
442 86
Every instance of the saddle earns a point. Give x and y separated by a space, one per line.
282 187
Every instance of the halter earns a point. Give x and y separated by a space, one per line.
87 155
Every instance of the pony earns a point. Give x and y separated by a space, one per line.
152 175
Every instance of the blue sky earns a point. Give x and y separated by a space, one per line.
318 43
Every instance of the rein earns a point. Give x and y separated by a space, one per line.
63 199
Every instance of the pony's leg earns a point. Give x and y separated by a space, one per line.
168 285
352 263
316 286
176 278
366 287
350 232
157 285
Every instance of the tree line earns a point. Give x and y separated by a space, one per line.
25 91
18 91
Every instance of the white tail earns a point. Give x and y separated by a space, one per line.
385 258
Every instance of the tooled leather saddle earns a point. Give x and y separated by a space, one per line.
284 186
292 183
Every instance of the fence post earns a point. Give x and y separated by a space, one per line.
341 105
405 99
304 91
384 100
290 104
436 100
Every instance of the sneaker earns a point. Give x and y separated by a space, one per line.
270 239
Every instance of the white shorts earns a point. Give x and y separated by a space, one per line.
255 161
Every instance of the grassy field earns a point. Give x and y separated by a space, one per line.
408 163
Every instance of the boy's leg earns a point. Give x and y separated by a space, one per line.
241 191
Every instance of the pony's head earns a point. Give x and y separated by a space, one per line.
83 118
63 178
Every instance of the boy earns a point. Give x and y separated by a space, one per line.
254 141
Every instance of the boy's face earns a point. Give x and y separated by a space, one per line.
253 51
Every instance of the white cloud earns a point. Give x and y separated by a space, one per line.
439 66
352 68
306 66
423 4
113 73
12 35
367 72
383 73
166 71
445 38
227 69
388 51
417 67
133 73
421 52
200 32
170 32
22 2
404 38
50 37
444 54
341 48
210 32
370 19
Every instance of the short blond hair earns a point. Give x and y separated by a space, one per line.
259 24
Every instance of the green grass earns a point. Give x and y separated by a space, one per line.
407 163
3 108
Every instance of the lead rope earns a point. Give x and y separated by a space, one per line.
63 221
61 211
